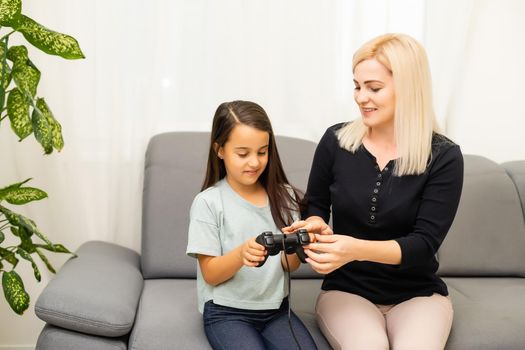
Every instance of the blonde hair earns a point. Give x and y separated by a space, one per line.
414 119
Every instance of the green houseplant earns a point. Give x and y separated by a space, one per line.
28 114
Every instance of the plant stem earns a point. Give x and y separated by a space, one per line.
7 35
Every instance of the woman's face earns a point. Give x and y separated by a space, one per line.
374 93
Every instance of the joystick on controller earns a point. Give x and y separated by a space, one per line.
291 243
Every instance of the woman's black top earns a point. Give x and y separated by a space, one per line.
367 203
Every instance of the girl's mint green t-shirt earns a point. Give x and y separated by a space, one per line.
221 220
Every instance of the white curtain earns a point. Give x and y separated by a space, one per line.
162 65
477 53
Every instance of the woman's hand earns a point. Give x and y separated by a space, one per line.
331 252
293 260
314 224
252 253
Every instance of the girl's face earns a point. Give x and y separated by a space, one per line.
245 155
374 93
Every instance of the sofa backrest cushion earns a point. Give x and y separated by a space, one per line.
174 171
487 237
516 171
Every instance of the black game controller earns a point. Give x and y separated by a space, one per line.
291 243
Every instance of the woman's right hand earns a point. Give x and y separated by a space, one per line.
252 253
313 224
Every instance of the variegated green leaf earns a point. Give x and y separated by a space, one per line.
26 78
14 231
24 72
9 256
17 54
5 70
56 128
18 112
2 98
47 40
56 248
2 236
10 188
23 222
9 11
25 255
42 130
26 241
6 77
24 195
15 292
45 261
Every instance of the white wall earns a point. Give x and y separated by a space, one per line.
487 116
162 65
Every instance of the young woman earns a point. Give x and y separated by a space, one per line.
245 193
392 184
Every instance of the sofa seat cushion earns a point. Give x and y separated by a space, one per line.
94 293
53 338
167 317
489 313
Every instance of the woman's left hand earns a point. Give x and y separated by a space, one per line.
331 252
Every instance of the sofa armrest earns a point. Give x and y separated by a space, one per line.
96 293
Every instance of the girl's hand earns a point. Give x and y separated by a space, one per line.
252 252
313 224
331 252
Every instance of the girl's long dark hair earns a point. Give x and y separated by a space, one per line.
283 197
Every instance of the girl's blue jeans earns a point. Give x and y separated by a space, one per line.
230 328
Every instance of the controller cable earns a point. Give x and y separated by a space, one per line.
290 297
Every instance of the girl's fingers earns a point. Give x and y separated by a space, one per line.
256 246
252 260
258 254
250 263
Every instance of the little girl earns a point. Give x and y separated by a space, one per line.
245 193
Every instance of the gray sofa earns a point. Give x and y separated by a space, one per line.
110 297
